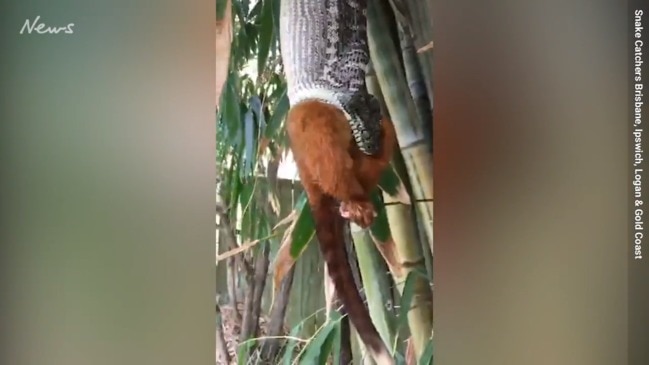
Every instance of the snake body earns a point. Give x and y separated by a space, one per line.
325 56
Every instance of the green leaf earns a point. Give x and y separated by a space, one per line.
250 33
239 10
250 142
221 5
281 108
291 344
380 227
427 356
421 272
257 108
238 148
276 82
256 10
275 51
240 48
329 344
406 299
304 227
243 351
400 359
390 182
222 147
233 184
265 35
276 12
314 349
337 343
230 106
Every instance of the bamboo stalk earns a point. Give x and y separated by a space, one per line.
403 112
410 252
417 84
418 15
400 167
404 233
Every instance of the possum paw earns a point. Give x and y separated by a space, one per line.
361 213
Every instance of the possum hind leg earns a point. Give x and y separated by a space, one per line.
368 171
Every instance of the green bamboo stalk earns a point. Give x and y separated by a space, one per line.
402 109
401 218
399 165
418 22
417 85
420 317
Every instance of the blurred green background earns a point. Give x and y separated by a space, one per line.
107 188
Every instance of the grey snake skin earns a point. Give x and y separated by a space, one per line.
325 55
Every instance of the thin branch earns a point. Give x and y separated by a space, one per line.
242 248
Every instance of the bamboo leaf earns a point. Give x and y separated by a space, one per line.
283 259
256 10
392 184
257 109
380 227
376 283
296 238
400 359
239 10
337 344
251 39
230 107
389 180
427 356
291 344
221 5
250 143
274 49
406 299
276 11
329 344
243 352
304 227
240 47
315 347
265 35
235 185
388 250
281 108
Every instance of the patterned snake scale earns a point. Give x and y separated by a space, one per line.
325 55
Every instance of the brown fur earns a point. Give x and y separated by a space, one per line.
334 171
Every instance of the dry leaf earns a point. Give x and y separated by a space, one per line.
426 47
283 260
410 355
388 250
273 201
236 251
290 218
263 144
330 292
